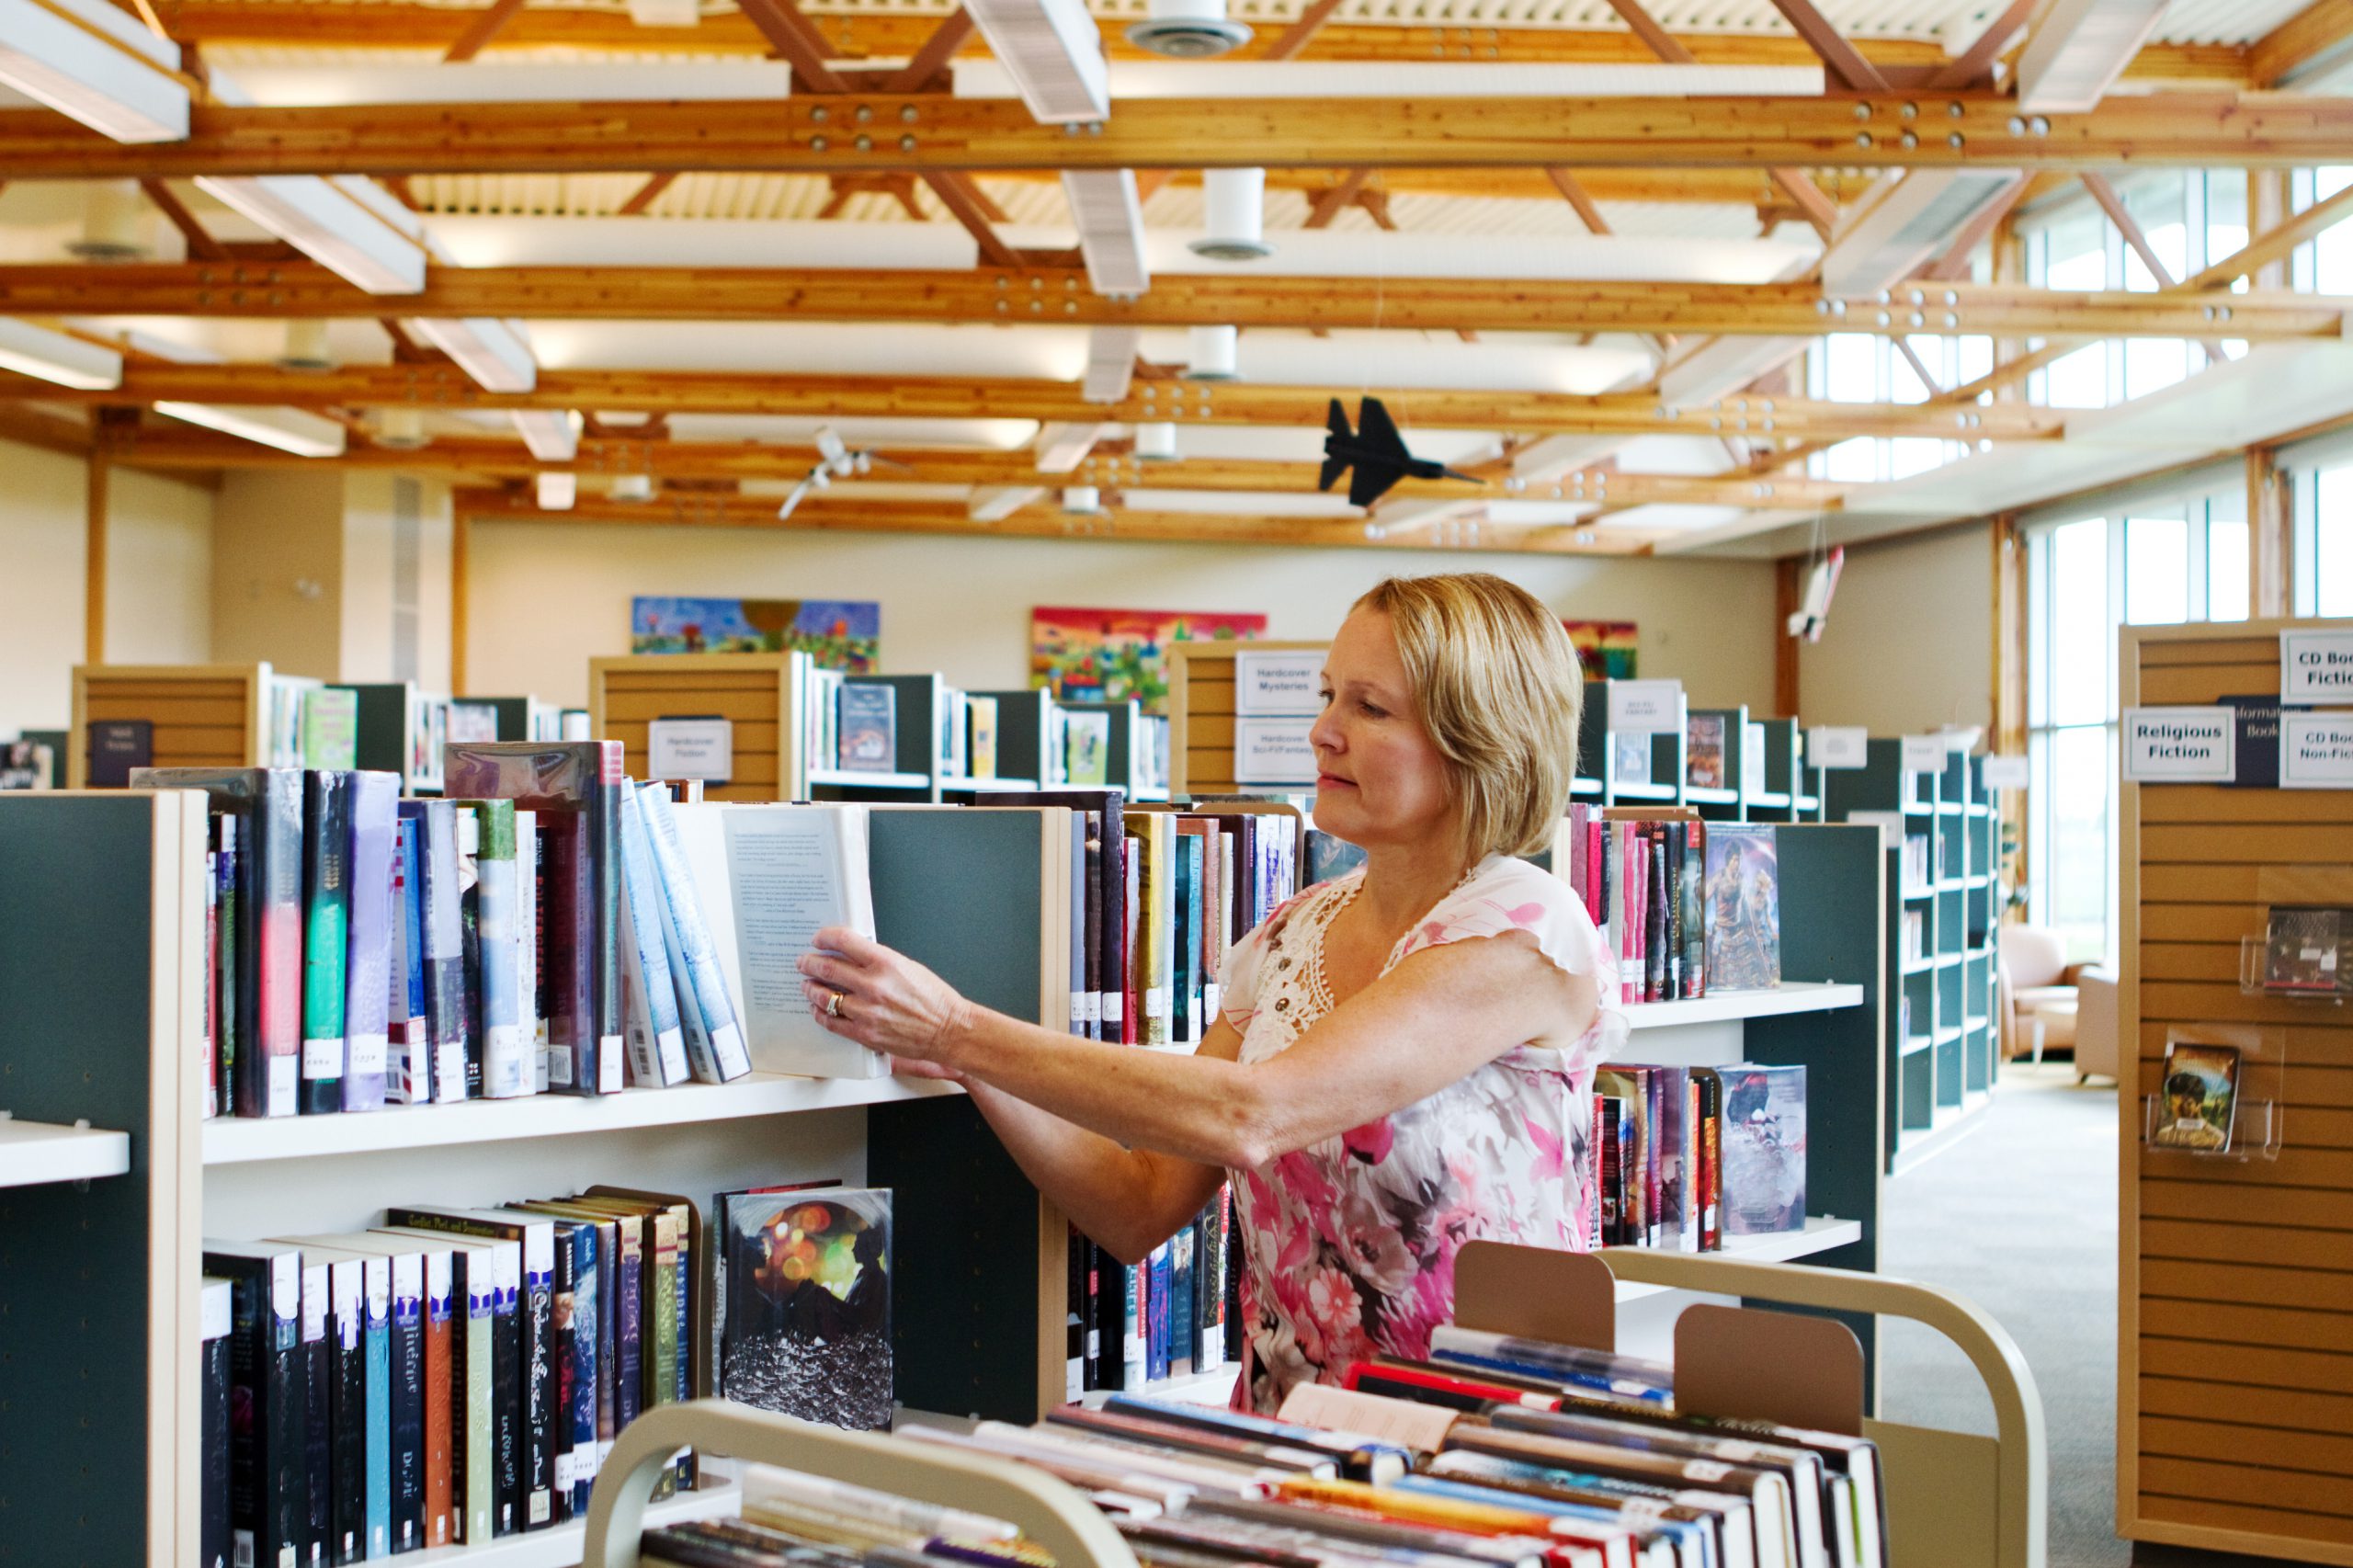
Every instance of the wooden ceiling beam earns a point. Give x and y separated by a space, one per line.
2274 244
2319 29
201 246
794 41
1973 66
298 290
1840 57
2181 130
485 26
645 195
924 68
1292 41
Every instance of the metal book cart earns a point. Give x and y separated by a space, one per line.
1954 1500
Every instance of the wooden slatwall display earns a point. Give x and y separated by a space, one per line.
1200 712
2234 1393
205 715
761 694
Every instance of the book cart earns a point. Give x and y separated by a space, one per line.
1954 1500
1942 1024
204 715
2234 1269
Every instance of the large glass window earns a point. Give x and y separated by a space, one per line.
2323 497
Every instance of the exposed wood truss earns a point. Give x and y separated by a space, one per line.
1868 131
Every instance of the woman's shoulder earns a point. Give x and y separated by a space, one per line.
1503 894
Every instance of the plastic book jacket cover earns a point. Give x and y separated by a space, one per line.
805 1295
1704 763
1744 909
868 729
1087 757
2201 1092
1762 1146
2300 950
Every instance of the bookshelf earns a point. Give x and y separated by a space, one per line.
1944 1047
204 715
2232 1393
1200 714
1123 765
762 694
402 729
1024 721
32 1153
524 718
1664 755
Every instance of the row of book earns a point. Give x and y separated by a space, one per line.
1690 908
1493 1452
852 726
1685 1156
1173 1314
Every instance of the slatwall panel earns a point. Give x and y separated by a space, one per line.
1200 714
755 692
2234 1423
205 715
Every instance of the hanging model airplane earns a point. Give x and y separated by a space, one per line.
1376 452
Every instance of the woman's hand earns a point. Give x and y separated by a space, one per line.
888 1003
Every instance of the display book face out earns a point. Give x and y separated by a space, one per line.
804 1302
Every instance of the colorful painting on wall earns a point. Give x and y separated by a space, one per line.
1605 648
841 634
1110 655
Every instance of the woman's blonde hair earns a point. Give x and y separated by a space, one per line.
1500 693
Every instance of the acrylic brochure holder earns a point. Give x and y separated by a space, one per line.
1048 1512
1954 1499
2200 1125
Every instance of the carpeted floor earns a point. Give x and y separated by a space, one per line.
2021 1217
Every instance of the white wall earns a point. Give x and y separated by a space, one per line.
1909 645
547 597
159 579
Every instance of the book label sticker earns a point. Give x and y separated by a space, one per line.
2181 745
1646 707
323 1058
2005 773
1923 753
368 1054
1285 683
2317 751
691 748
1273 751
280 1099
2316 667
1836 745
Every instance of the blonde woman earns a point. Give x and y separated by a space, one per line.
1405 1057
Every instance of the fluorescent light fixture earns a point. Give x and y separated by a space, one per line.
993 504
2078 49
86 58
351 227
1053 53
58 357
1062 447
1110 362
1110 220
553 434
495 353
557 491
1904 222
288 429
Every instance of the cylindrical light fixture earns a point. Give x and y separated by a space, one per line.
1156 443
116 225
1234 219
1213 354
1082 499
400 429
557 491
306 346
1187 29
632 487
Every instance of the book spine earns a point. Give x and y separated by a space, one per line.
668 1355
468 823
1132 1024
1654 919
1111 895
1181 945
347 1414
509 1071
509 1443
1695 912
536 1316
318 1412
376 1334
230 1021
475 1431
443 1382
1102 1022
1182 1248
215 1541
595 1310
445 964
1604 1130
407 1377
326 920
367 995
564 1296
715 1047
1085 1005
208 1046
602 1076
409 1063
571 950
526 947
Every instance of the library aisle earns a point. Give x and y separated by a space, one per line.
2021 1217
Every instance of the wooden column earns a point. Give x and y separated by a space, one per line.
2271 546
2267 208
1789 587
98 473
461 539
2009 676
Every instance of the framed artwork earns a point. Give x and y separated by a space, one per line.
1111 655
1605 648
841 634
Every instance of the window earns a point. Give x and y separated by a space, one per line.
2160 560
1854 366
2323 265
2323 497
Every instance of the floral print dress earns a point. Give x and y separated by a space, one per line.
1349 1244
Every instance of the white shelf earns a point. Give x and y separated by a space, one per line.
32 1153
1643 791
1702 795
1777 800
561 1546
838 778
1195 1388
962 781
1793 996
1822 1232
234 1140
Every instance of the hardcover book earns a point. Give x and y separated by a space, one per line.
408 1055
216 1319
655 1039
441 1071
781 875
1703 760
268 1394
806 1325
1743 909
2202 1092
509 1067
367 969
326 918
1763 1149
482 1279
318 1424
868 728
717 1051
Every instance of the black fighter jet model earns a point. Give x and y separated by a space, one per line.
1377 453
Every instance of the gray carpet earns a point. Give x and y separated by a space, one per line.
2019 1216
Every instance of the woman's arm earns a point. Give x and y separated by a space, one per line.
1438 1015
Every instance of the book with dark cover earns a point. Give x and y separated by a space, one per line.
1158 1275
230 1022
267 803
376 1349
2303 949
503 1054
434 829
597 1283
118 745
1183 1307
326 920
1709 1086
868 728
318 1420
677 1349
408 1058
268 1394
1692 908
1655 927
374 811
483 1279
561 1302
407 1377
806 1319
1764 1142
1744 909
1183 989
575 787
217 1317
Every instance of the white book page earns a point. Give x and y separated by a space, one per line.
792 870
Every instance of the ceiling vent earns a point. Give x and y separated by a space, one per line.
1235 203
1189 30
1110 220
1053 52
1214 354
1904 222
114 225
1110 362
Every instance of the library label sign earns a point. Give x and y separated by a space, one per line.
691 748
1834 745
1646 707
2316 667
2317 751
1925 754
1286 682
1273 751
2181 745
2005 773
